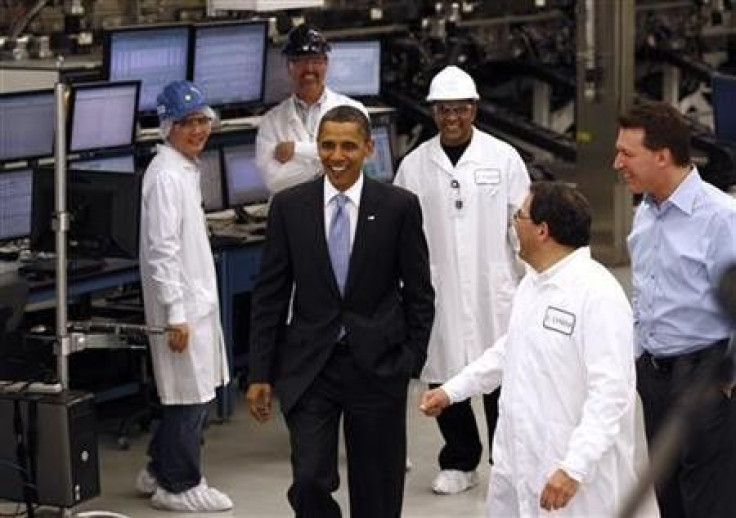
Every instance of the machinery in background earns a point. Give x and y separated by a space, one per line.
553 74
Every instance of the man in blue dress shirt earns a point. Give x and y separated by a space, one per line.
683 237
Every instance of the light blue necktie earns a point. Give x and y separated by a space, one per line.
338 240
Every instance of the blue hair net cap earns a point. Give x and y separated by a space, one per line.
179 99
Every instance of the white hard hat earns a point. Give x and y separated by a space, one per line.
452 84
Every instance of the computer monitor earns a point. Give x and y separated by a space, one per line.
15 203
213 197
278 82
355 68
155 55
229 62
243 182
124 163
102 116
104 211
380 166
26 125
724 112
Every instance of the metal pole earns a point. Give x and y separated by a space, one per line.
61 227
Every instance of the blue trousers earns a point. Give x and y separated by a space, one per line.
175 448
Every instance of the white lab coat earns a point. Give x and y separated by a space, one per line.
471 250
282 123
568 398
179 281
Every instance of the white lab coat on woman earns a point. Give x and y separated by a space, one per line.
179 281
567 369
471 252
282 123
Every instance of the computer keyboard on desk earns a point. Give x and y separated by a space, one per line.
46 267
218 241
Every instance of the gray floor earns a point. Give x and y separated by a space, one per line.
250 463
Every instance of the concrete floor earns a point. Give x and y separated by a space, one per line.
250 462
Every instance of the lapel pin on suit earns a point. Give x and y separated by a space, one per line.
371 217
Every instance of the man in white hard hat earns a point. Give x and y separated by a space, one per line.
469 184
286 147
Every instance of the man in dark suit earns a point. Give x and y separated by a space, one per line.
353 254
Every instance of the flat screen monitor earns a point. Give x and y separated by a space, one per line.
380 166
104 210
213 198
229 62
154 55
278 83
243 182
116 164
355 68
102 116
15 203
26 125
724 111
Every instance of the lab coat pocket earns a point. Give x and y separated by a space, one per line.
553 452
199 301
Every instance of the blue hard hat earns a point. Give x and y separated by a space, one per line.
179 99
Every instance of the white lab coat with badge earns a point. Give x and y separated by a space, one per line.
282 123
179 281
568 398
471 249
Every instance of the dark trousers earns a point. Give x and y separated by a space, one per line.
463 448
700 483
176 445
374 427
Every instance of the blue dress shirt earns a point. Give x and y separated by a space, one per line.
678 251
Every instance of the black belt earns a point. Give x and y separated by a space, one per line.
667 363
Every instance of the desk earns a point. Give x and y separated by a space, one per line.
237 269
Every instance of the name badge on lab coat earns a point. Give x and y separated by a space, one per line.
487 176
559 320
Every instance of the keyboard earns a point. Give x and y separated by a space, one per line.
47 267
218 241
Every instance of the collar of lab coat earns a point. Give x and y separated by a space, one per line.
556 274
176 157
472 154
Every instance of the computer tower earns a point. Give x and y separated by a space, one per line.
60 441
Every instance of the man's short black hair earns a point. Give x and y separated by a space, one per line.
347 113
565 211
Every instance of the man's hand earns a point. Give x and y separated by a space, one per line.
284 151
178 336
259 401
433 402
558 491
727 390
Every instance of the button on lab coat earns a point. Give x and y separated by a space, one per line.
471 249
282 123
568 398
179 281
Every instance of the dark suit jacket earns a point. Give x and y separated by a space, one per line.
388 306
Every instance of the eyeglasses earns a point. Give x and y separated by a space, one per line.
447 109
520 215
194 122
456 187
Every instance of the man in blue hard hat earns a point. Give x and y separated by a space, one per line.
286 148
180 293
